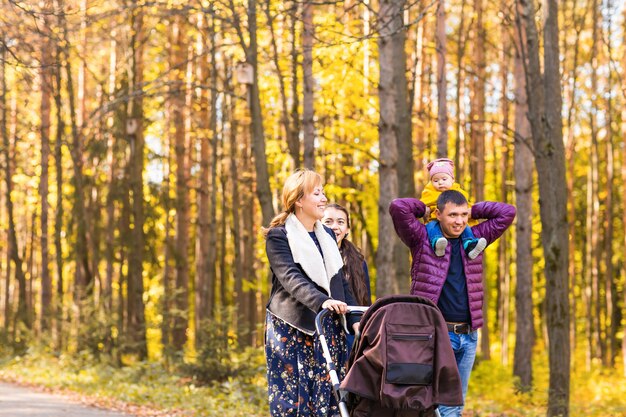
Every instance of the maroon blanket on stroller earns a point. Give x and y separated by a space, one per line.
403 363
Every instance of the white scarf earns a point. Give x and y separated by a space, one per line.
319 269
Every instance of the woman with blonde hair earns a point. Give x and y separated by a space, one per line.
307 276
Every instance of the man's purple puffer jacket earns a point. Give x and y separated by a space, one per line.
428 271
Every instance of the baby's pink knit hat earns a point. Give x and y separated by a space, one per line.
444 165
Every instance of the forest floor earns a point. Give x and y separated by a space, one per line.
148 390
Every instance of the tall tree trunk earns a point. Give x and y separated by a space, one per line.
523 172
460 54
308 107
404 139
177 96
22 315
206 251
247 214
236 229
295 95
291 135
263 191
81 78
111 198
544 105
477 138
8 311
579 23
203 284
211 260
393 109
442 84
83 276
59 212
167 307
421 90
504 275
226 289
594 200
134 131
589 263
46 73
610 286
624 193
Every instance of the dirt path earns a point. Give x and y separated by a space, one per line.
17 401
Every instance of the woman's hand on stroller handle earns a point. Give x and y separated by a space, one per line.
335 306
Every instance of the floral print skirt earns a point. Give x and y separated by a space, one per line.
298 380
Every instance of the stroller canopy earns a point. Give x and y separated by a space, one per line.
403 359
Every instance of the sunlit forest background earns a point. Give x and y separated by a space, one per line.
144 144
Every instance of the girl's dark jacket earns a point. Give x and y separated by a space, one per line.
294 297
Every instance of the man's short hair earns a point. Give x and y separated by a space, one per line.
450 196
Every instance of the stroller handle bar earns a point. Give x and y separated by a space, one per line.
319 319
332 371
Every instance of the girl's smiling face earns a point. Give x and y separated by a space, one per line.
336 220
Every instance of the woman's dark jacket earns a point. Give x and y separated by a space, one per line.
294 297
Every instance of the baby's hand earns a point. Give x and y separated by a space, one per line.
427 213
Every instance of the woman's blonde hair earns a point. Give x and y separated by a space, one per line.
301 182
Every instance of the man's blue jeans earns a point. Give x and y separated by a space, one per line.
464 347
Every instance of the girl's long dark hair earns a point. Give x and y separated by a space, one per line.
353 261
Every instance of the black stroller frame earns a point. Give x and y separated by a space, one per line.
339 394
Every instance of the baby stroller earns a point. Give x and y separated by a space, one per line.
401 364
